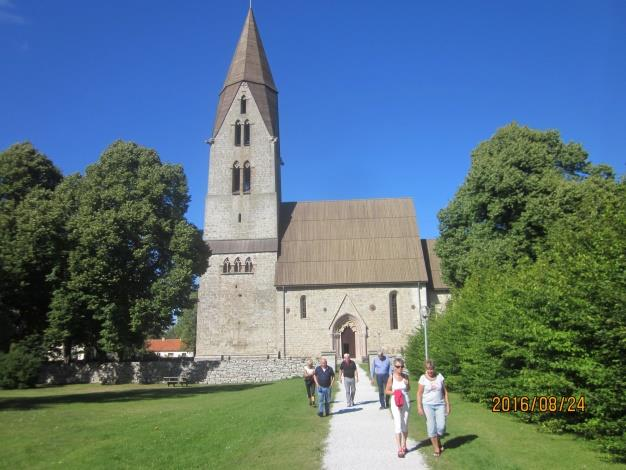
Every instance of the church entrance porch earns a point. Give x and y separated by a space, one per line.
349 336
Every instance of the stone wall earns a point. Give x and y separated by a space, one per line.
233 371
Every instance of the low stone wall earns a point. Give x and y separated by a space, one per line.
234 371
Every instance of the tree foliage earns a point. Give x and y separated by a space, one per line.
131 256
185 327
30 239
552 321
518 184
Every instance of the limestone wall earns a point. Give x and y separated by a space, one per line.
206 372
364 309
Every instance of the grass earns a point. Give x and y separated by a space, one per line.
480 439
152 426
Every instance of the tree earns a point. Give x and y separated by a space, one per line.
185 327
553 326
30 240
520 181
132 256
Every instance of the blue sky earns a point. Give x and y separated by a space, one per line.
377 99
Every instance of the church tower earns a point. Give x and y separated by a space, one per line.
237 297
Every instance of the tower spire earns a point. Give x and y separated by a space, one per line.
250 65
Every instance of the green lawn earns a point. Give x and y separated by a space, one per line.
480 439
152 426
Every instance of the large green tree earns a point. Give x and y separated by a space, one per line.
131 256
553 326
519 182
30 240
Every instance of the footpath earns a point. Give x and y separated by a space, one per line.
362 437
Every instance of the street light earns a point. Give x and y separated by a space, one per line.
424 313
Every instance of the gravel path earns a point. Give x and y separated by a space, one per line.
362 437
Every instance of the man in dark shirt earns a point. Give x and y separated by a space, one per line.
324 378
348 375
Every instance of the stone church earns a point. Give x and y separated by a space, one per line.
298 279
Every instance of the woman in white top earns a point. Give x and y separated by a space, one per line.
398 384
432 401
309 382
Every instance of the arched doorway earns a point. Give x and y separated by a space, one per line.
348 342
349 336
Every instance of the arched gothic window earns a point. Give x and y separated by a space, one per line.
393 310
226 266
238 133
246 133
237 267
248 265
246 177
242 109
236 178
303 306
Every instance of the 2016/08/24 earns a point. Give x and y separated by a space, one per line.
541 404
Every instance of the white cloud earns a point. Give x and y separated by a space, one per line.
7 16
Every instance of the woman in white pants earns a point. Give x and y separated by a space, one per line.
398 387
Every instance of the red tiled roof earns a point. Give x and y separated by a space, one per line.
165 345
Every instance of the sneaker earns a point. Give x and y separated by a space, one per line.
321 415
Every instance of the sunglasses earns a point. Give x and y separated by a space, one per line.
397 365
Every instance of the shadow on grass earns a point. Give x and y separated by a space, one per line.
447 443
459 441
117 396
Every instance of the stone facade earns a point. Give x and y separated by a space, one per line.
243 314
365 310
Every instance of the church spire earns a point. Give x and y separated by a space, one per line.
250 65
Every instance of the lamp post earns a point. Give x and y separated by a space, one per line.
424 313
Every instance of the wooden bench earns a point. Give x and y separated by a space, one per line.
176 381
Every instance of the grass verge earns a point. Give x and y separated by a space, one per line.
152 426
479 439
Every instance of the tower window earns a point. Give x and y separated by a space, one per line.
393 310
236 172
238 134
248 266
237 265
246 133
243 105
239 218
226 266
303 306
246 177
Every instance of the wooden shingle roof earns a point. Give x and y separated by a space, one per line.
369 241
250 65
433 265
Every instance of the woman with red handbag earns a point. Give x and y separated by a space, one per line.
398 387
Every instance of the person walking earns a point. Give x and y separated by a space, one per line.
324 378
397 388
381 368
348 375
433 401
309 382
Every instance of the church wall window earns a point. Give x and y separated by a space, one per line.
237 265
303 306
226 266
238 133
236 178
393 310
242 108
246 133
248 265
246 177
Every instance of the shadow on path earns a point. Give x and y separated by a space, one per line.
113 396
